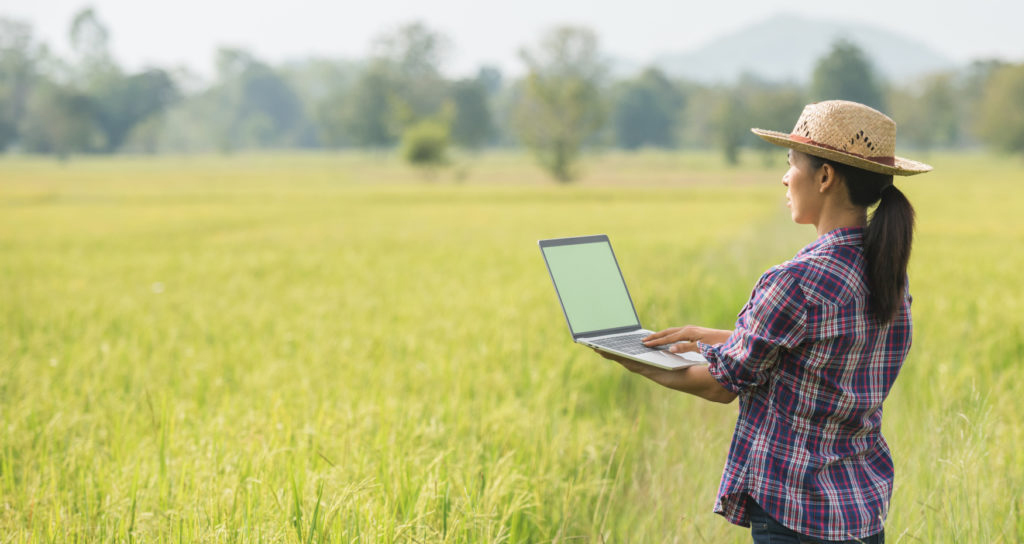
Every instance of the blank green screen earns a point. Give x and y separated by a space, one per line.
590 286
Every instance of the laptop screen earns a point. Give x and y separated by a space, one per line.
589 284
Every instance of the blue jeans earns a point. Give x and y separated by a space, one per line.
765 530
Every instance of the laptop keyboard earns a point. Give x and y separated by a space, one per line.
628 343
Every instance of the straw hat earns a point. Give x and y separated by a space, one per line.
849 133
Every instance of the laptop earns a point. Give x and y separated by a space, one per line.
597 304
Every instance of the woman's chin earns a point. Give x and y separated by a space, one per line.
799 220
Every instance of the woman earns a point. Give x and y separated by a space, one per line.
818 345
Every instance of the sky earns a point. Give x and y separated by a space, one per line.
188 32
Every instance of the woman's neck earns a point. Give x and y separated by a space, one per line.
838 218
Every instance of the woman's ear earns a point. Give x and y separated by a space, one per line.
827 177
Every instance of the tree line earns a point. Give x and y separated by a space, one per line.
568 101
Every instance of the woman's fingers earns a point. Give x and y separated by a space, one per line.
664 337
668 336
660 334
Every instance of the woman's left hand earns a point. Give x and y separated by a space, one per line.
630 364
695 380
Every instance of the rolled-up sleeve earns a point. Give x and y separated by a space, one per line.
773 320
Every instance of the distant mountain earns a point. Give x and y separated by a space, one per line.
786 47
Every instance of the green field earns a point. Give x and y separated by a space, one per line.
329 348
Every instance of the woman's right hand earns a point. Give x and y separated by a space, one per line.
687 335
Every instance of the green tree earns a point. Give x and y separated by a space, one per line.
89 36
19 56
845 73
730 124
127 101
973 84
414 54
323 87
504 105
90 41
367 114
491 78
196 123
1001 120
62 121
258 108
264 93
646 111
696 125
560 105
472 126
331 117
119 101
399 86
928 114
769 105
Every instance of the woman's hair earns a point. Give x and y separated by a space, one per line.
887 237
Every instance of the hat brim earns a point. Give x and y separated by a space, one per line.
900 167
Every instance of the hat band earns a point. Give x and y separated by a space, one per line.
887 161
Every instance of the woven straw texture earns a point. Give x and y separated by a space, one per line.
849 133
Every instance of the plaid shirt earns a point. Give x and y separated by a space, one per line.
811 369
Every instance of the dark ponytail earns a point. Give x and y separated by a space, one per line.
887 237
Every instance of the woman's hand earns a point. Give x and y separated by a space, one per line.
696 380
630 364
685 339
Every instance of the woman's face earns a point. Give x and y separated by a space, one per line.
803 195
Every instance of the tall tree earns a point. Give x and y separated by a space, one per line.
367 114
504 104
260 109
323 86
560 105
973 84
18 72
127 101
845 73
730 124
399 86
696 128
770 105
928 113
120 101
1001 119
491 78
414 54
90 41
646 111
61 120
89 36
472 125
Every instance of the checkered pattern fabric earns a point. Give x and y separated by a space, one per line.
811 369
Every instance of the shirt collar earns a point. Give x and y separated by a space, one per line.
846 236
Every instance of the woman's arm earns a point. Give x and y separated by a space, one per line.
695 380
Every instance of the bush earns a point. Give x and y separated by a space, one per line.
425 144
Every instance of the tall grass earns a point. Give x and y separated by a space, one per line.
327 349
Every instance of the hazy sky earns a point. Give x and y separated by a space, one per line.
187 32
